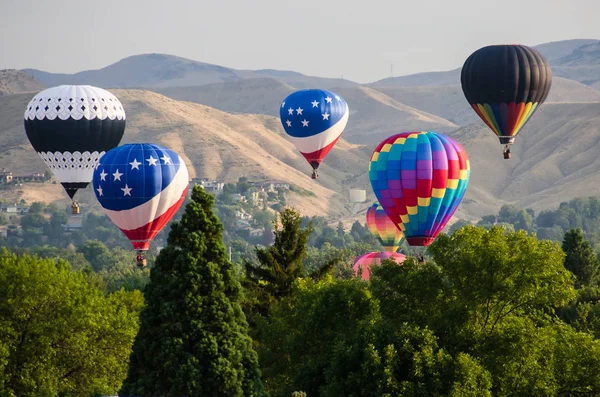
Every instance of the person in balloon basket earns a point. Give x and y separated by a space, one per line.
141 259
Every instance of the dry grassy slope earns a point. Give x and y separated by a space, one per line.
256 95
449 101
15 82
556 158
214 144
373 115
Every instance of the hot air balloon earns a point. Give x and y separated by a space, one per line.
71 127
140 186
374 258
505 85
315 120
383 228
419 179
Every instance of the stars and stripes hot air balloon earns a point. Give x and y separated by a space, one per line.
419 179
365 261
505 85
141 186
71 127
314 119
383 228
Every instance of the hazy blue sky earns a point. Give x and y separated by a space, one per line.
358 39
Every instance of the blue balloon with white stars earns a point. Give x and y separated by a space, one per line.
132 174
310 112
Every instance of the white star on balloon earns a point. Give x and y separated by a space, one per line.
135 165
99 190
315 104
338 98
103 176
283 104
289 123
325 116
152 161
126 190
166 159
328 99
117 175
299 110
290 111
304 123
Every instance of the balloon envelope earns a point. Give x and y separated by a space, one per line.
383 228
419 179
372 259
505 85
314 119
141 186
71 127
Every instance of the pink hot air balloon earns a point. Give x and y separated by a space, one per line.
374 258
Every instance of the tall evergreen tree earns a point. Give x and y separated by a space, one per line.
580 259
271 277
193 338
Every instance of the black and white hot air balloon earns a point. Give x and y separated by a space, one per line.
71 127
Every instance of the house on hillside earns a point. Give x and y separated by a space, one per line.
211 186
238 198
272 186
74 223
241 214
14 209
6 176
33 177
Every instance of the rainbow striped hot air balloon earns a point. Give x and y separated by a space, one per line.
505 85
383 228
420 179
372 259
315 120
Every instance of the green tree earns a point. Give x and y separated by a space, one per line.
96 253
193 337
495 274
580 259
270 277
59 334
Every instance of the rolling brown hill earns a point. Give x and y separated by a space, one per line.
373 115
16 81
214 144
555 158
448 101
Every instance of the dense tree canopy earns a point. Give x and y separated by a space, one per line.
59 333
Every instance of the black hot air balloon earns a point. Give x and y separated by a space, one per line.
505 85
71 127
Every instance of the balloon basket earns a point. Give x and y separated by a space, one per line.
141 259
75 209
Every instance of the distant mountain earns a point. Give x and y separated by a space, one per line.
162 71
583 64
15 81
558 49
556 53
